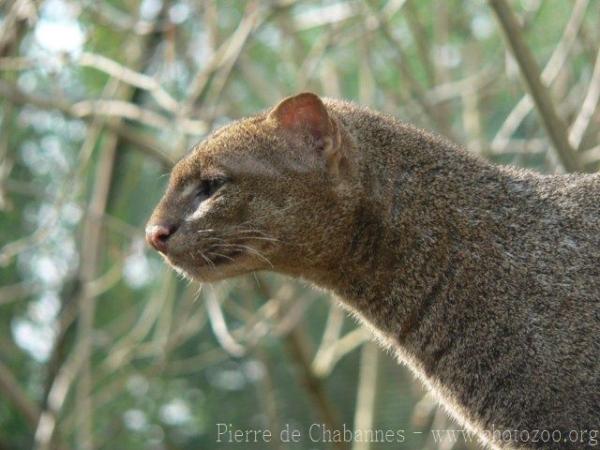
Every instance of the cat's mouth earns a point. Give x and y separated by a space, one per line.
205 261
215 261
210 266
212 258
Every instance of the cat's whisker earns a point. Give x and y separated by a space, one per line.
221 255
226 245
208 260
214 238
240 232
248 230
257 253
249 249
260 238
256 279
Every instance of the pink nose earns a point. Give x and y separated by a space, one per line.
157 236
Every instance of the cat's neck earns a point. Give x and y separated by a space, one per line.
387 271
425 204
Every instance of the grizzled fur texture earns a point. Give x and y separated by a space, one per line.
485 280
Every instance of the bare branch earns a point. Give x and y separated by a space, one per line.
46 427
420 38
219 326
401 61
11 390
364 412
90 254
227 53
122 350
328 15
472 83
346 344
223 59
590 103
128 110
121 109
120 20
296 345
17 291
21 13
14 94
325 352
130 76
591 155
16 63
549 74
554 125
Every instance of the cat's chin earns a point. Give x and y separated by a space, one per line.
202 274
209 273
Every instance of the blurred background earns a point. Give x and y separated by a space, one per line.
101 345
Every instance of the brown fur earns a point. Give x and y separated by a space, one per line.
484 279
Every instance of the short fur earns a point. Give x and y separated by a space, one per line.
484 279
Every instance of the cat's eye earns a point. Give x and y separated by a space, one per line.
209 186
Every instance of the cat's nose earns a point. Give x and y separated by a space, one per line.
158 235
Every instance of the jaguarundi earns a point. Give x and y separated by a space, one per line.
485 280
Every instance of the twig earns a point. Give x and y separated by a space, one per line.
127 110
122 350
414 86
227 52
468 85
364 412
120 109
349 342
16 291
314 56
254 19
590 103
11 390
554 125
329 15
119 19
297 348
549 73
591 155
422 410
219 327
140 141
471 103
312 384
422 42
333 328
46 426
224 59
90 254
267 394
15 22
130 76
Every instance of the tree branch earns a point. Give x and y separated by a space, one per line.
12 391
590 103
296 345
366 396
554 125
140 141
550 72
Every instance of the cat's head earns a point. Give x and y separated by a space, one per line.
262 193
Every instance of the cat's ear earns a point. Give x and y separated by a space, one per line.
305 113
302 112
